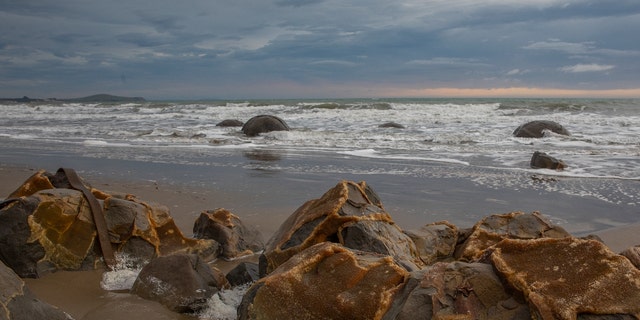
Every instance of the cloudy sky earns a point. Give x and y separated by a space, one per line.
196 49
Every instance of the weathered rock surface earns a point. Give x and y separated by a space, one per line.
457 290
264 123
541 160
52 229
435 241
230 123
236 238
497 227
562 278
536 129
351 214
182 283
326 281
17 302
633 254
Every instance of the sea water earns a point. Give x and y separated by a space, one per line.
442 162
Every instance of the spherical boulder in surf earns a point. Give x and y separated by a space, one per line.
264 123
537 128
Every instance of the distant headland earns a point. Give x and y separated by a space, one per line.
92 98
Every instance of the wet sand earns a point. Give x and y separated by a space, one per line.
264 199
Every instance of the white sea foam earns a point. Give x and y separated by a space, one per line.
123 275
224 304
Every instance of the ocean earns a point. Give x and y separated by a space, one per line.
470 140
453 159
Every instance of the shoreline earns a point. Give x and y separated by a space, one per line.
79 293
187 202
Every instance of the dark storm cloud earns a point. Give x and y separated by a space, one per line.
243 48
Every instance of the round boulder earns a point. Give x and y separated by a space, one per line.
536 129
229 123
263 123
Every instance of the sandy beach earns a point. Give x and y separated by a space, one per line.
264 200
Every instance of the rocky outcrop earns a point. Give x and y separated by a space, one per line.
17 302
515 225
350 214
47 228
182 283
264 123
569 277
236 239
326 281
537 128
541 160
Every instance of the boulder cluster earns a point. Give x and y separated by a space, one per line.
340 256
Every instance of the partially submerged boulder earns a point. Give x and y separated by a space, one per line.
264 123
537 128
17 302
351 214
515 225
563 278
235 238
52 229
326 281
541 160
230 123
391 125
182 283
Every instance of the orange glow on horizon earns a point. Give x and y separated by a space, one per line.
515 92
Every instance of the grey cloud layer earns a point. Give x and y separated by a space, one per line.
249 49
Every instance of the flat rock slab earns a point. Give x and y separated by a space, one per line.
562 278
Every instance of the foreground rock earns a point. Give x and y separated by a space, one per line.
264 123
569 277
236 239
182 283
47 227
326 281
18 303
458 290
541 160
350 214
515 225
537 128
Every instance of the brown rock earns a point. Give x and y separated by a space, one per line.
435 242
633 254
53 229
17 302
562 278
541 160
336 217
326 281
458 290
182 283
234 236
514 225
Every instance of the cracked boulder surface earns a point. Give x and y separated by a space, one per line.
564 278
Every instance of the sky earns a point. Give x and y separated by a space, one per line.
252 49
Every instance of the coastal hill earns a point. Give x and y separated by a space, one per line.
93 98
